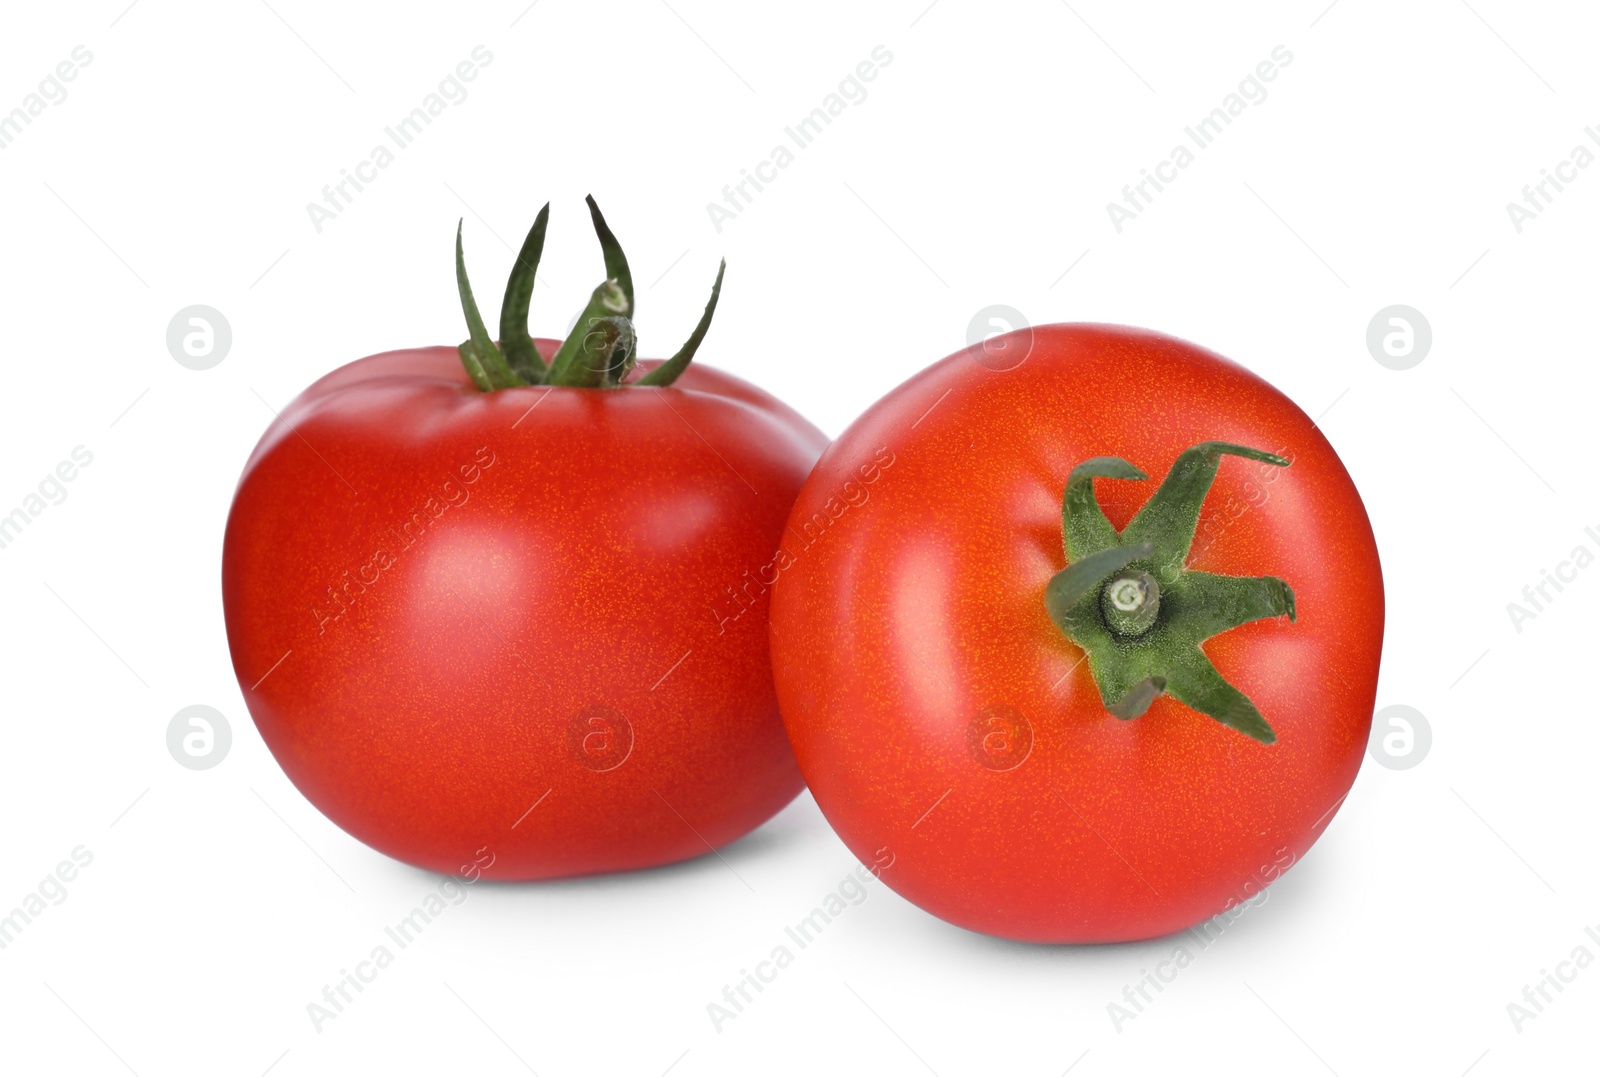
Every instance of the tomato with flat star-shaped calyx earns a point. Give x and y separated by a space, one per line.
1079 704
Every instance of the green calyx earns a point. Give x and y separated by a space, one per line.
1138 612
600 352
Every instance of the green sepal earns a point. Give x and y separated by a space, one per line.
1212 604
493 364
1138 698
1196 683
1084 527
616 261
668 372
1135 662
470 360
520 352
1168 520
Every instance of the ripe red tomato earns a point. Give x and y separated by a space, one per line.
519 632
949 688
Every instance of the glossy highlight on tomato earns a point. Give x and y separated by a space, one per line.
1050 752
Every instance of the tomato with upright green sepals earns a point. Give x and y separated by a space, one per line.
1074 703
490 606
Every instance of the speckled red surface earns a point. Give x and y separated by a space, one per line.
921 607
553 628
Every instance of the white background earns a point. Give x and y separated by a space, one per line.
976 171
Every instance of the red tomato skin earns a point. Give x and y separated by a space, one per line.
921 605
580 550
